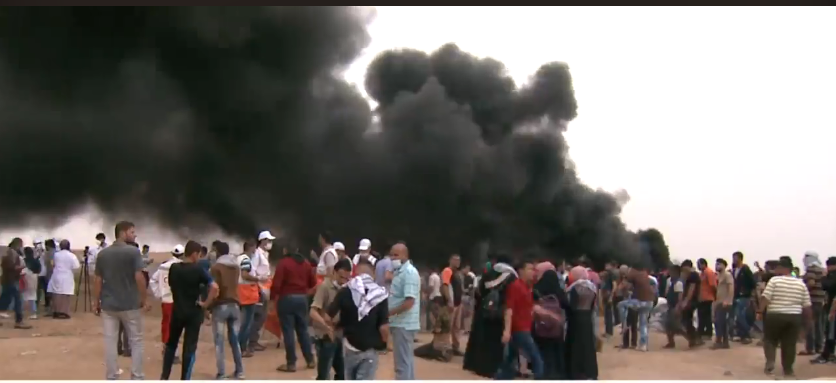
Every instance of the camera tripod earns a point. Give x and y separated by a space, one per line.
84 281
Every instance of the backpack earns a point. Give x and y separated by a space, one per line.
547 326
492 304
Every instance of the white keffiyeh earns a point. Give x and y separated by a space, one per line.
366 294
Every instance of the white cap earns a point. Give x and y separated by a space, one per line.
365 244
178 250
265 235
339 246
38 240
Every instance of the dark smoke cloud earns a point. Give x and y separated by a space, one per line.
239 118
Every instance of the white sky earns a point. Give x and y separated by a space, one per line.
717 121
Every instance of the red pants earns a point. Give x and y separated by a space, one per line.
166 323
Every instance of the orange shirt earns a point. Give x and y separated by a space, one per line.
708 285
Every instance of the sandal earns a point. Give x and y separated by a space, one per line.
286 368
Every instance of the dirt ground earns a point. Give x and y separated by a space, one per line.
73 349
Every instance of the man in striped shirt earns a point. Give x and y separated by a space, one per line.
814 272
788 307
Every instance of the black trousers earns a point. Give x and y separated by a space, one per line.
704 318
630 335
688 324
781 330
189 327
43 282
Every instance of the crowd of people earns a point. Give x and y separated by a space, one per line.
344 311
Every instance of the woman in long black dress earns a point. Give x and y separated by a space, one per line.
551 350
581 356
484 346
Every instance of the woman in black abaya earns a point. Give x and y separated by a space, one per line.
551 350
581 355
484 346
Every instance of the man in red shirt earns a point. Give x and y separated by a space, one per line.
519 319
293 279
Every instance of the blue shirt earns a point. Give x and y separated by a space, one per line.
380 269
406 284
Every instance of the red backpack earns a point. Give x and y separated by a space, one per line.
550 326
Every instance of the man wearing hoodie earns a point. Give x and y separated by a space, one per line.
293 279
814 273
162 290
226 313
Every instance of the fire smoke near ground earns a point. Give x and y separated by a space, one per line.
239 118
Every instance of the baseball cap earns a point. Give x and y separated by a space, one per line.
265 235
365 244
178 250
339 246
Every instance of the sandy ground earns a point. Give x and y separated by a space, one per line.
73 349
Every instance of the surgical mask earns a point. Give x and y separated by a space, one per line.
268 246
396 264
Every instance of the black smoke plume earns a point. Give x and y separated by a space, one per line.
239 118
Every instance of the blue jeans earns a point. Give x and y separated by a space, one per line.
293 315
521 341
740 307
643 309
247 315
11 294
329 353
402 341
360 365
227 315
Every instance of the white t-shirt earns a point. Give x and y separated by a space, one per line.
326 261
434 282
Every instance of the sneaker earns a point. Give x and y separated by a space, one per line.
642 348
33 316
247 354
769 371
22 326
819 360
747 341
221 377
5 316
239 376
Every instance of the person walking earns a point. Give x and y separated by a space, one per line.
519 320
12 266
119 296
404 311
293 279
788 305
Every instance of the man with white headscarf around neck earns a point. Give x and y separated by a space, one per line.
363 316
365 252
260 268
814 272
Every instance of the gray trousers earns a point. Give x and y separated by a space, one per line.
815 335
132 320
402 346
360 365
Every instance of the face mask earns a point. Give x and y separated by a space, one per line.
396 264
268 246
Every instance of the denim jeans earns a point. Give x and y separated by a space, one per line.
293 315
643 310
329 353
132 320
360 365
247 314
521 342
227 315
402 342
741 322
11 294
815 335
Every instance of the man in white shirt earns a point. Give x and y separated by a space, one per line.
328 258
94 252
365 249
260 268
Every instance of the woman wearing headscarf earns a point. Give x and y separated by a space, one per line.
484 346
581 356
547 286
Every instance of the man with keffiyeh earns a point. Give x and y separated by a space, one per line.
364 320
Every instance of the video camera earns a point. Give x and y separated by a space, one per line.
86 251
